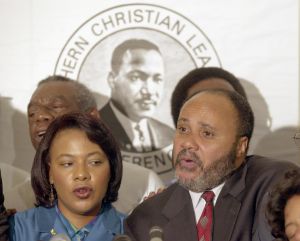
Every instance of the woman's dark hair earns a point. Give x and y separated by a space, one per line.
288 187
195 76
98 133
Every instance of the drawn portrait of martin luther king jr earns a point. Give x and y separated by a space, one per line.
136 80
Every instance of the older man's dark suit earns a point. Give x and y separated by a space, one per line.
3 216
238 214
163 133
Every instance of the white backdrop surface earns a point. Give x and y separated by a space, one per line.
257 40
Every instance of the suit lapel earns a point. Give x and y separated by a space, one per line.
109 117
228 206
179 211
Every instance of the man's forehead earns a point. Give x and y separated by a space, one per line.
211 101
198 98
209 95
61 87
211 110
52 90
136 56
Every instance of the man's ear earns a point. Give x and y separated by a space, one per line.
111 79
241 149
95 113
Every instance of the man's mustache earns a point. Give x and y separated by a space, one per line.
152 100
184 153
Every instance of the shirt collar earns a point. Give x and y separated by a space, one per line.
196 196
128 124
72 230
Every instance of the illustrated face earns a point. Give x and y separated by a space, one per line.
210 83
205 144
80 173
292 218
49 101
138 86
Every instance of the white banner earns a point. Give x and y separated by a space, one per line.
255 40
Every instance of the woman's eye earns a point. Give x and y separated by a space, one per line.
66 164
95 162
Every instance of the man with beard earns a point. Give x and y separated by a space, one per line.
136 80
221 193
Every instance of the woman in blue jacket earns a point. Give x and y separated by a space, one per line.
75 176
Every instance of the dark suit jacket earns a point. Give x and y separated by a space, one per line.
163 133
3 216
239 213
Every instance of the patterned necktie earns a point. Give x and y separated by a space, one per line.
140 132
205 222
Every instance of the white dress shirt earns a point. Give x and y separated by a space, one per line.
129 127
199 203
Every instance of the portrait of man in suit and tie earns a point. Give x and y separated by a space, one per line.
136 80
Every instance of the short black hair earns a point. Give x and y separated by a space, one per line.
98 133
242 107
285 189
195 76
85 99
130 44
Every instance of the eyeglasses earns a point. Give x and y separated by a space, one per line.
297 139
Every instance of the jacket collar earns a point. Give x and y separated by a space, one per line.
178 200
48 222
228 204
235 184
179 212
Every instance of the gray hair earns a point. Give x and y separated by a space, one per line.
85 99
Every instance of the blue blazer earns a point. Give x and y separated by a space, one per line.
36 224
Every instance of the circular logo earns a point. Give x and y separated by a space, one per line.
131 56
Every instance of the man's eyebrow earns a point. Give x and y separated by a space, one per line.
200 123
182 119
206 125
136 71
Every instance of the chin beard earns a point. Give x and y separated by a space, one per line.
211 176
